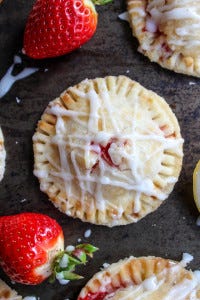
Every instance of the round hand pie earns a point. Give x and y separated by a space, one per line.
7 293
168 32
143 278
2 155
107 151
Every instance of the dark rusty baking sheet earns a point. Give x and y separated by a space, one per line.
169 231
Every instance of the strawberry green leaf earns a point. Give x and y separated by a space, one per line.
71 276
88 248
66 261
101 2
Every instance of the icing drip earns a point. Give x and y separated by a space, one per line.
8 79
123 16
114 157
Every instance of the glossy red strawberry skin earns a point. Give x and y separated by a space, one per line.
57 27
25 243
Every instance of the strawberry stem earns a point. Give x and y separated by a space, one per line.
66 261
101 2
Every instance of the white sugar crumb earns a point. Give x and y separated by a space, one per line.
18 100
127 71
186 259
154 225
70 248
123 16
23 200
198 221
46 70
16 142
79 240
17 59
13 282
87 233
192 83
60 278
106 265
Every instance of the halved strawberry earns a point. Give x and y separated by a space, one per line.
32 249
56 27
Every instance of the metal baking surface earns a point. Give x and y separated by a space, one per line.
169 231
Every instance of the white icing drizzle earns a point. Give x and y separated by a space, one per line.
8 79
156 286
123 152
124 16
186 11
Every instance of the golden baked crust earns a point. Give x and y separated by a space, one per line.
146 278
107 151
168 32
2 155
7 293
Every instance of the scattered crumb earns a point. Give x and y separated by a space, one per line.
186 259
198 221
154 225
70 248
18 100
16 142
79 240
46 70
87 233
13 282
192 83
106 265
23 200
127 71
123 16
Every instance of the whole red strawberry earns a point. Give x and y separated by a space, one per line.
32 249
56 27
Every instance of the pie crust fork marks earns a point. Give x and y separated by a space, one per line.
108 151
143 278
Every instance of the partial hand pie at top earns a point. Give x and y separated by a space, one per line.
108 151
168 32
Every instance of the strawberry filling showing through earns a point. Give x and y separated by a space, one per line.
95 296
103 152
100 295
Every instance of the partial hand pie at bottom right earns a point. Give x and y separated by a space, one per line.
143 278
